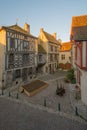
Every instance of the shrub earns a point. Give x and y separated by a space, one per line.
71 76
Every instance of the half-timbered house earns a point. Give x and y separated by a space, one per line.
18 55
79 38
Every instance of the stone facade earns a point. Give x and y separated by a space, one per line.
65 55
51 46
18 55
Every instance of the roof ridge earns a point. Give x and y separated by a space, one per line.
50 37
20 29
80 15
48 33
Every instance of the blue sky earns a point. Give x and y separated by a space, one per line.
52 15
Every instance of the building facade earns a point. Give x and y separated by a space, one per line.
79 38
65 55
18 55
51 47
41 59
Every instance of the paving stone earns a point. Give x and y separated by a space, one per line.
15 115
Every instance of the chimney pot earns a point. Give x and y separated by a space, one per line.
55 35
41 29
27 27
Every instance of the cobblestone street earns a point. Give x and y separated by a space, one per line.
15 115
49 93
30 113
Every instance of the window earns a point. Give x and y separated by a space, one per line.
51 48
12 43
55 57
11 61
25 59
25 45
51 57
11 57
40 57
62 57
17 74
55 49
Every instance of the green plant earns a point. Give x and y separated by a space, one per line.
71 76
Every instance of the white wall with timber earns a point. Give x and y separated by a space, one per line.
84 54
84 86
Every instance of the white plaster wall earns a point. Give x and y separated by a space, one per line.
2 62
84 87
67 55
84 54
73 56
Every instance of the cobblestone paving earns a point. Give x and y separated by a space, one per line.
18 116
82 108
49 93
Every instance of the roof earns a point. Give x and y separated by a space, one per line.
41 49
50 38
18 29
80 33
66 46
78 21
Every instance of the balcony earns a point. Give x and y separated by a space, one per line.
41 62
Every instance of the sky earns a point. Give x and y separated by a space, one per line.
51 15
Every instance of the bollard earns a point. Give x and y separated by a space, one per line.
59 106
17 96
76 111
45 102
9 94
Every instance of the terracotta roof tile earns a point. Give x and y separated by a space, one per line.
78 21
66 46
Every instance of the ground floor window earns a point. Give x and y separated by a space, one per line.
17 73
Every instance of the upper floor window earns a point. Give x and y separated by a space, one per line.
51 48
11 57
17 74
55 49
63 56
51 57
25 45
12 43
40 57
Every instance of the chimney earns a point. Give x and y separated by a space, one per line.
27 27
55 35
41 29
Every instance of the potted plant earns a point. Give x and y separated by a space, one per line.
60 90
